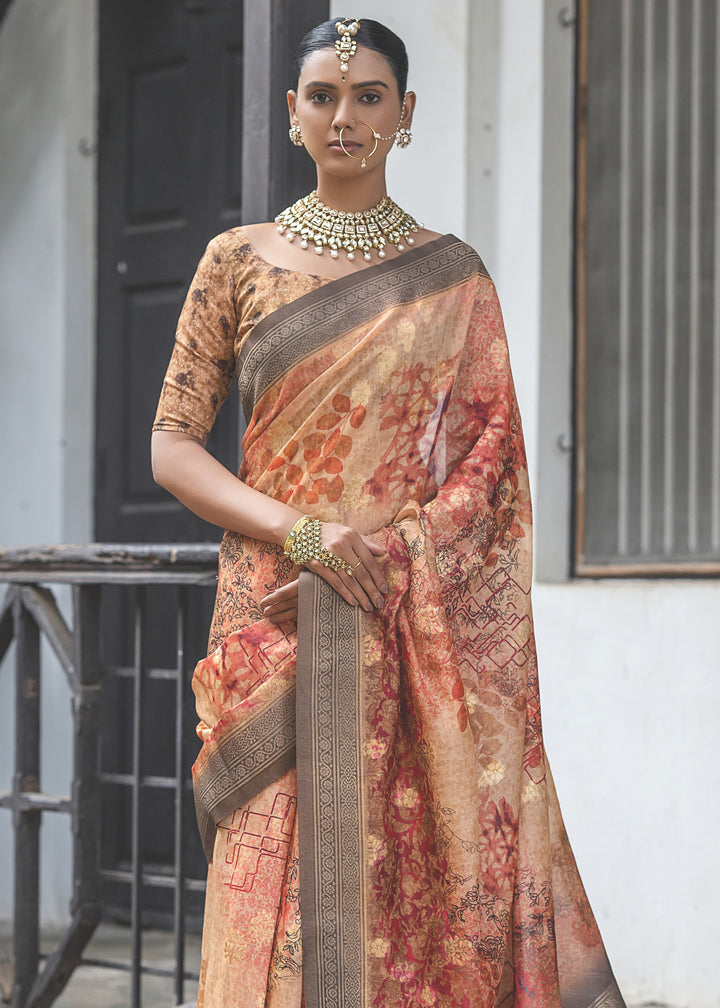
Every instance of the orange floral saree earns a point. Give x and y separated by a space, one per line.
373 790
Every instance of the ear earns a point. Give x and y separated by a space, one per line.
409 103
292 101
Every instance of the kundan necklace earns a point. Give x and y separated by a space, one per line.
362 231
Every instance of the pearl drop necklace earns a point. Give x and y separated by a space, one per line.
350 232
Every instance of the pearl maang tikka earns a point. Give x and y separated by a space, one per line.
346 46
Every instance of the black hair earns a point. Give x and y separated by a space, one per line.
372 35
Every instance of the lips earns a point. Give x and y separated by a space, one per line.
349 145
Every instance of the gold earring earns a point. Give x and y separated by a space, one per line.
295 134
403 136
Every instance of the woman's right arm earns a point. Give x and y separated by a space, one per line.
183 467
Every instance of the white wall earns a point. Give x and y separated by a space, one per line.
630 695
47 74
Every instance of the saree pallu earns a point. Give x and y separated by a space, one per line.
373 791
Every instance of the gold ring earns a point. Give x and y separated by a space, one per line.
355 566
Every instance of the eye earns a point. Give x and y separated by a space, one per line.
370 97
320 97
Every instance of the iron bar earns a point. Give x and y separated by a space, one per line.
179 892
41 603
693 393
147 780
671 188
715 409
136 852
152 879
127 967
36 801
624 261
26 821
646 282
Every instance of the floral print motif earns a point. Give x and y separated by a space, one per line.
313 466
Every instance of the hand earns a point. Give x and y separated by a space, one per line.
281 606
366 586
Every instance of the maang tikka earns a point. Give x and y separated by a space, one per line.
346 46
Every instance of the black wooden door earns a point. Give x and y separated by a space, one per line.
172 173
170 122
191 117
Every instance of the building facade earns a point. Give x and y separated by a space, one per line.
628 665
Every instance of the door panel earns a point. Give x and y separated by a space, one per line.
170 177
170 134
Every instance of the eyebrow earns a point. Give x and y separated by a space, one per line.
355 87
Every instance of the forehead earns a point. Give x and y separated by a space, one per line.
366 64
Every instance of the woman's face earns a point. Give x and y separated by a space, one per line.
328 99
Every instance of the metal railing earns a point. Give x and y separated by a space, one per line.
29 612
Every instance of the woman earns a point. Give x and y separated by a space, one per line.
427 863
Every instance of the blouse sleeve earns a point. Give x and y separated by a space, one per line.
202 365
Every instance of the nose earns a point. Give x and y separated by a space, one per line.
343 117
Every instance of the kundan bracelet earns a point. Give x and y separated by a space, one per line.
304 542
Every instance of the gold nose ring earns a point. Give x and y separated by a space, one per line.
361 158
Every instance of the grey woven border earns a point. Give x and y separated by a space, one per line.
295 331
249 758
330 807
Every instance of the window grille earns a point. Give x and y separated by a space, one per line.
647 476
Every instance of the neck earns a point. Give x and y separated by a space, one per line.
352 195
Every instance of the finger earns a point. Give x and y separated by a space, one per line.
370 590
288 615
344 585
287 622
374 547
369 572
365 581
288 591
288 605
363 590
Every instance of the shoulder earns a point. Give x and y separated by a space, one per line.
455 248
232 245
425 235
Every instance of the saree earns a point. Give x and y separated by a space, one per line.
373 791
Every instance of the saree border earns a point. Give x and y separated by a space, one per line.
296 330
246 758
610 997
330 806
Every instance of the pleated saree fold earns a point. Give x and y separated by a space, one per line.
427 864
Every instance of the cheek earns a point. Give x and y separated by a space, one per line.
314 115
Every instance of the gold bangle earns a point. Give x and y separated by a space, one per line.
304 543
297 527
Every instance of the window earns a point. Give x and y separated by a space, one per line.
647 474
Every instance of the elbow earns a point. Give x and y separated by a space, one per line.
159 461
157 471
172 459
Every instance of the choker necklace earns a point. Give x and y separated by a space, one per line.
352 232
